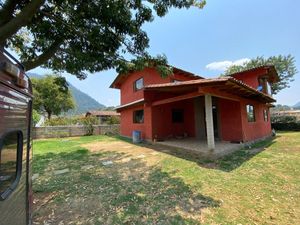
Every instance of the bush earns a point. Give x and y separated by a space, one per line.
113 120
292 126
75 120
88 123
35 117
283 119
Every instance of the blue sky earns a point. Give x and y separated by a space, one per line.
223 32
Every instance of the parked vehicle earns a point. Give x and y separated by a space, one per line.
15 142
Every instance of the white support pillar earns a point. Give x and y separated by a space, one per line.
209 122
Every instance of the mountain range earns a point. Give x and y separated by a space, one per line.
297 105
83 102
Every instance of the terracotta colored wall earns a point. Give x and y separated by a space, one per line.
230 120
259 128
251 77
127 125
234 122
162 119
150 76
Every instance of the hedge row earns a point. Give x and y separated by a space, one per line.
286 126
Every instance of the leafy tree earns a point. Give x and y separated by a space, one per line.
114 120
285 66
78 36
51 95
35 117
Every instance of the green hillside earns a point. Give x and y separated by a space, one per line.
83 101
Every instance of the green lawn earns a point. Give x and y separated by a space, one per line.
148 184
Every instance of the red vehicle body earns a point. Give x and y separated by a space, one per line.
15 142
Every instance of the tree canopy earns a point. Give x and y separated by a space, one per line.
51 95
284 65
79 36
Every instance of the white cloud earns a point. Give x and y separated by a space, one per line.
223 65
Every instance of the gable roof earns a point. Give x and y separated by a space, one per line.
269 71
122 77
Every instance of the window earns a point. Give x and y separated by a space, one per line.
269 88
177 116
176 81
11 146
138 84
138 116
266 115
250 113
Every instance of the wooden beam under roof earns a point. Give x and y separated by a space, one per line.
177 98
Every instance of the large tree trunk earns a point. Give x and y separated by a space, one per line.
21 19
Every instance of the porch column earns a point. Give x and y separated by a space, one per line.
209 122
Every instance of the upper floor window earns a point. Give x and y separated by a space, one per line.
266 115
138 116
138 84
264 86
250 113
268 88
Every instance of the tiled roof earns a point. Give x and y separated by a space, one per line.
137 102
186 83
103 113
211 82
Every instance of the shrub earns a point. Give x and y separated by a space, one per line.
88 123
292 126
65 121
35 117
283 119
113 120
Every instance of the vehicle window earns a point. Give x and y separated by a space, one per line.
10 162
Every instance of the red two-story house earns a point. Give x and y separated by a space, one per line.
232 108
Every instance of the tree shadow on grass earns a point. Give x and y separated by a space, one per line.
126 192
226 163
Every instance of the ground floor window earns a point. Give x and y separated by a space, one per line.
177 116
266 116
250 113
138 116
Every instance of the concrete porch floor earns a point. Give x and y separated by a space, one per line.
222 148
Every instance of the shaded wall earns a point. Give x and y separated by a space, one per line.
200 126
234 121
230 120
163 126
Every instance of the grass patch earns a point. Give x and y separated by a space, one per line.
144 186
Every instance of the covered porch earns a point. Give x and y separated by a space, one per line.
214 126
